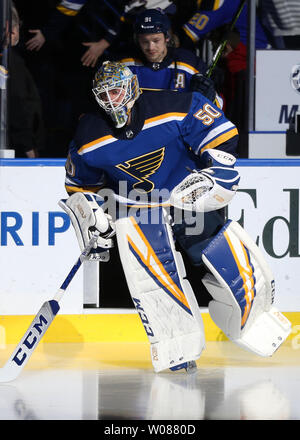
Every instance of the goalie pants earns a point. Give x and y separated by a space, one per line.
194 231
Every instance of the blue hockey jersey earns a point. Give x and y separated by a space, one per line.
163 142
204 21
173 73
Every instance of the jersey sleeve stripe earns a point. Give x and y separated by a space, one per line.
215 133
194 37
70 8
187 67
220 139
96 144
161 119
66 11
72 189
184 67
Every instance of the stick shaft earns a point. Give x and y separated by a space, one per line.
40 324
222 45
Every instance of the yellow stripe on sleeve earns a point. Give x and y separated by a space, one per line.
73 189
95 142
66 11
220 139
165 116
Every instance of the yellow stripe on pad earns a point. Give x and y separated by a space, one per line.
243 271
170 286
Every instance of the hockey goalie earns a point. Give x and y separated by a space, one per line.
151 173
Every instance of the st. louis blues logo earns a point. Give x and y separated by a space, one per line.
295 78
142 167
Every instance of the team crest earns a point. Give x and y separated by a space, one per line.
142 167
295 78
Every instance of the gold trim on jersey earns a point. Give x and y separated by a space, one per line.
219 140
66 11
160 119
72 189
97 143
179 64
150 122
190 34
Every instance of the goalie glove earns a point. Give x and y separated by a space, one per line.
87 216
209 189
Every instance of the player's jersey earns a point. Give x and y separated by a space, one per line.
149 157
204 21
70 7
173 73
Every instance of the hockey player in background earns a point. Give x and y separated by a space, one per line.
134 165
158 64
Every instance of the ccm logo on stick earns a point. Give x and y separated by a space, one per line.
30 340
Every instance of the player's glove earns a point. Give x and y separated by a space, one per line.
204 85
87 216
217 158
211 188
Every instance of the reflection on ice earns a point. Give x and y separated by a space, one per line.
226 386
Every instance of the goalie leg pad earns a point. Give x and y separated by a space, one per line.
242 287
164 299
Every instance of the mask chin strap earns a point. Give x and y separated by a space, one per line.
121 116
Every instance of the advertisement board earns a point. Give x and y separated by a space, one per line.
277 89
267 206
38 245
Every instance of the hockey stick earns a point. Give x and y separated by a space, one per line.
41 323
222 45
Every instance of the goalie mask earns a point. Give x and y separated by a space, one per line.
116 89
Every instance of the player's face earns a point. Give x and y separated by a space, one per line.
153 46
115 96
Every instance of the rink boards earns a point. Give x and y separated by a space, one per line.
38 247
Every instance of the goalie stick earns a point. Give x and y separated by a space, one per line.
41 323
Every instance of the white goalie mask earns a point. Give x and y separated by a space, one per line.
116 89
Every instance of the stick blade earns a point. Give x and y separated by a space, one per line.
29 342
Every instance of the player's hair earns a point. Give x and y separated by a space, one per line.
15 19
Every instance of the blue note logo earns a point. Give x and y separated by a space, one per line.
295 78
142 167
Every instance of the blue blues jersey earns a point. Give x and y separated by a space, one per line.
204 21
70 7
95 19
173 73
161 145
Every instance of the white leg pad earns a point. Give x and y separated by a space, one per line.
242 287
266 334
165 301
